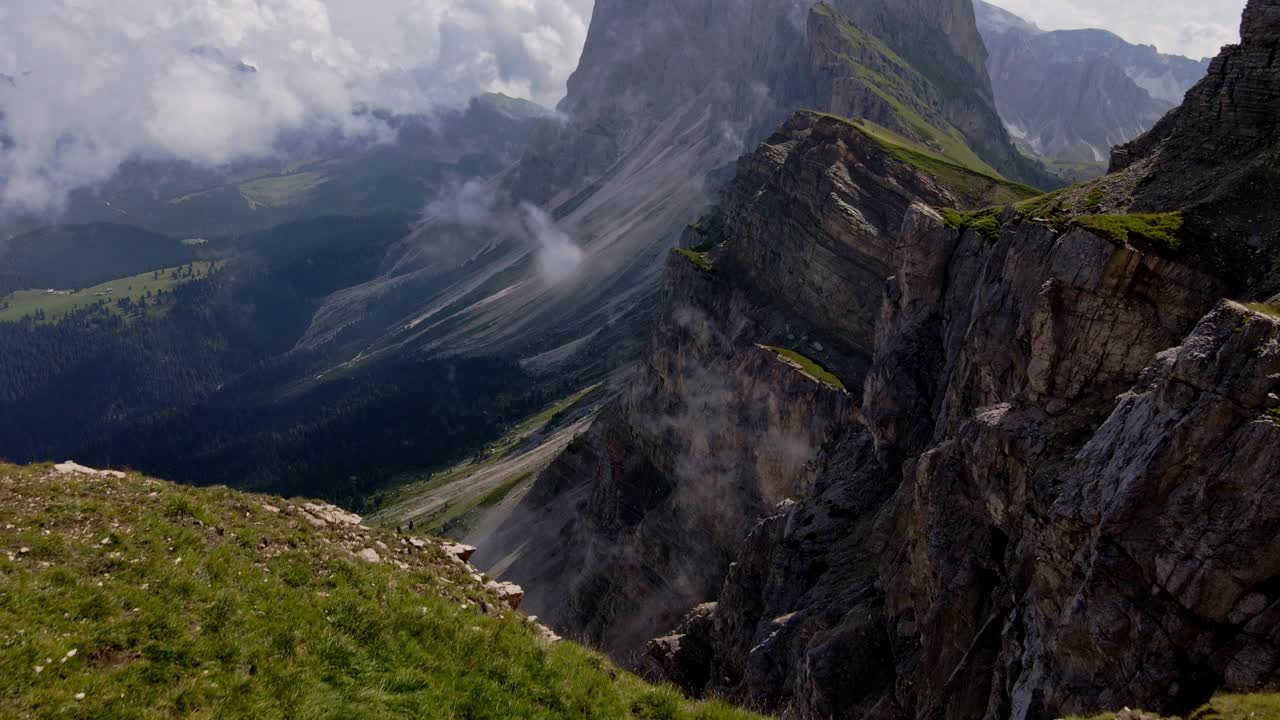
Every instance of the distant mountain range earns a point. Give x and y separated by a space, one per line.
1068 96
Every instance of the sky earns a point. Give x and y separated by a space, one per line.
88 84
1195 28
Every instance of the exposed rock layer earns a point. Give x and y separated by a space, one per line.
651 508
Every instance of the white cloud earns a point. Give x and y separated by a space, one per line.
476 204
98 81
1196 28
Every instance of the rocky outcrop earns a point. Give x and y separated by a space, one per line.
1217 154
992 361
1052 491
651 506
1037 547
1070 95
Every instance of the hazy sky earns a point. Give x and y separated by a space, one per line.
1197 28
86 84
89 83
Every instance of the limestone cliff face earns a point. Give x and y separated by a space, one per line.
650 509
1052 489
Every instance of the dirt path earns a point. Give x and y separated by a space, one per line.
465 494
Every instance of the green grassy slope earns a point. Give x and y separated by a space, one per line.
973 187
18 305
807 366
894 80
136 598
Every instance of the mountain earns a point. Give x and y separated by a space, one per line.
514 292
1069 95
905 445
129 597
665 98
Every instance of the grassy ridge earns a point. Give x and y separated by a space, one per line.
1161 229
974 188
808 366
28 302
892 79
130 598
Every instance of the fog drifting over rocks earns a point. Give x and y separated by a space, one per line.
87 84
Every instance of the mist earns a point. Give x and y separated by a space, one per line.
86 85
477 205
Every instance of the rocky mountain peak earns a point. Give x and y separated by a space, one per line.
891 455
1234 110
1217 153
1261 23
666 97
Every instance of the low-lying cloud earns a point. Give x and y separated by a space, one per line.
476 205
88 84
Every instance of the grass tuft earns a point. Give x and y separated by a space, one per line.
697 258
985 222
808 366
1268 309
1046 208
1164 230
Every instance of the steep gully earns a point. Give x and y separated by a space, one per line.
1053 488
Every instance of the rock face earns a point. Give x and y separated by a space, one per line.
1070 95
1218 153
666 96
650 509
1052 490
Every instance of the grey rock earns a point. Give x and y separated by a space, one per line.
1070 95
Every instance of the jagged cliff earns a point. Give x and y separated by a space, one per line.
719 425
1051 487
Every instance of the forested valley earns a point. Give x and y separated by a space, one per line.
202 382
